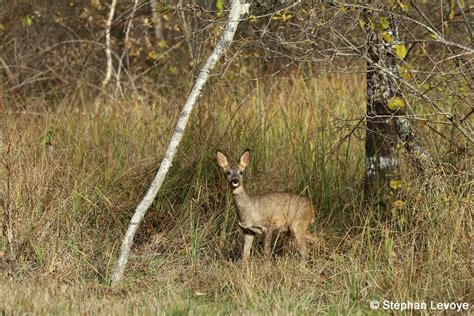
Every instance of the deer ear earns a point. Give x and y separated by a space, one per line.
221 160
245 158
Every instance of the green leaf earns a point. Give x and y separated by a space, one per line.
49 137
400 50
395 103
2 27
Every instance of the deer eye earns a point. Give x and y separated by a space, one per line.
227 173
241 172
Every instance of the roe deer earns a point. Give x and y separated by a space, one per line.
266 213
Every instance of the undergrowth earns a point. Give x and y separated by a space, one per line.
74 172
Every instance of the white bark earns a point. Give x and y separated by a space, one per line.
237 9
108 51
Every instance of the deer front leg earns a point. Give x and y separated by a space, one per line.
300 235
267 249
248 240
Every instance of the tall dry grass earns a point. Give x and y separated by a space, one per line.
76 170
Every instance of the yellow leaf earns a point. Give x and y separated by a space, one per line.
403 220
96 4
403 6
398 204
219 5
452 5
2 27
405 72
361 23
425 87
445 26
383 23
173 69
372 25
152 55
395 103
387 37
252 18
396 184
400 50
26 20
162 44
435 36
285 17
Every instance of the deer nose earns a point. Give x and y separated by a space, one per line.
235 182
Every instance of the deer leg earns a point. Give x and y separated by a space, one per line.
267 248
300 236
248 240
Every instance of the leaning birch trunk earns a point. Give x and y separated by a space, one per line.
108 50
237 9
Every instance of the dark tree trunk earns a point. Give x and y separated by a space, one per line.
381 158
387 124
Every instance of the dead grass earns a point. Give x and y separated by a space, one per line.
76 172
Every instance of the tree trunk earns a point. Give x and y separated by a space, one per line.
108 50
157 23
236 11
381 158
386 125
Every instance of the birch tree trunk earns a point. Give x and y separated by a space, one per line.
236 11
108 50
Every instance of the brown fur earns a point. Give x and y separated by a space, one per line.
267 213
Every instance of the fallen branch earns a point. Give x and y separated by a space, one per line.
236 11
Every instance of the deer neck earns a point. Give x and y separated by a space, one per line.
244 205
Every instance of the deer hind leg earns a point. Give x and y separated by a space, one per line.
267 248
248 240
